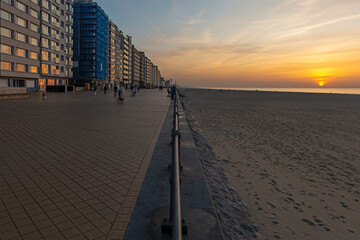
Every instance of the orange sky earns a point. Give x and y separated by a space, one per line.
259 43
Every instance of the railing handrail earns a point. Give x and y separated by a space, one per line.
175 222
175 169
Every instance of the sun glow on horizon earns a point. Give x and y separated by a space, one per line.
321 83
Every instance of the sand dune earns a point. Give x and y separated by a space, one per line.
292 158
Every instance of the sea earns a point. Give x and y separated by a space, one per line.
300 90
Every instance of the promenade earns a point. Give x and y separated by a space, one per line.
71 167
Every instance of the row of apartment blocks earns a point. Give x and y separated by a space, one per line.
104 54
35 43
49 43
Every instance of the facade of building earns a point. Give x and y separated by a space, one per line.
135 66
115 55
55 43
19 44
125 45
91 27
36 43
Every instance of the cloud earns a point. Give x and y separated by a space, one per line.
198 18
319 25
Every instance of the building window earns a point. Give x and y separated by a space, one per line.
5 32
5 49
45 17
21 22
35 1
34 13
53 57
45 4
7 1
34 27
45 30
33 69
45 55
21 37
53 69
5 15
44 68
33 41
21 52
51 82
21 7
33 55
20 67
5 66
45 42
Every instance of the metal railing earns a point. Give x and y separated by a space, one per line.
175 224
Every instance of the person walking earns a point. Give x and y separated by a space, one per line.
121 94
105 88
115 90
133 90
95 88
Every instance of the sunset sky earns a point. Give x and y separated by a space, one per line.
246 43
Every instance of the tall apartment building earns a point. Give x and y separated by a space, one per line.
142 70
91 27
125 45
19 44
135 66
35 43
56 43
115 55
156 76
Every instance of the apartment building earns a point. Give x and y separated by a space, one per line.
125 45
115 55
19 44
55 43
142 69
36 43
91 27
135 66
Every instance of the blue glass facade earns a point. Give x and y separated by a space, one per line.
91 27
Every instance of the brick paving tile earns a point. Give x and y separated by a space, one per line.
72 165
49 231
116 234
27 229
32 236
56 236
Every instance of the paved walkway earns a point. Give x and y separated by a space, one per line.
71 167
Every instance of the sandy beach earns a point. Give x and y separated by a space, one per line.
290 161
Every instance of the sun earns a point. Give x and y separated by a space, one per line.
321 83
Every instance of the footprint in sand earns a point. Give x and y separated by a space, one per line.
271 205
298 209
309 222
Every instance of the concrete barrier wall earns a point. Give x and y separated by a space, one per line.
12 90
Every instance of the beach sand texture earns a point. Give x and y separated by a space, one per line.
292 158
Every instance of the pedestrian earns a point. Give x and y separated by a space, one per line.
173 89
115 89
44 96
95 88
105 88
121 93
139 88
133 91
